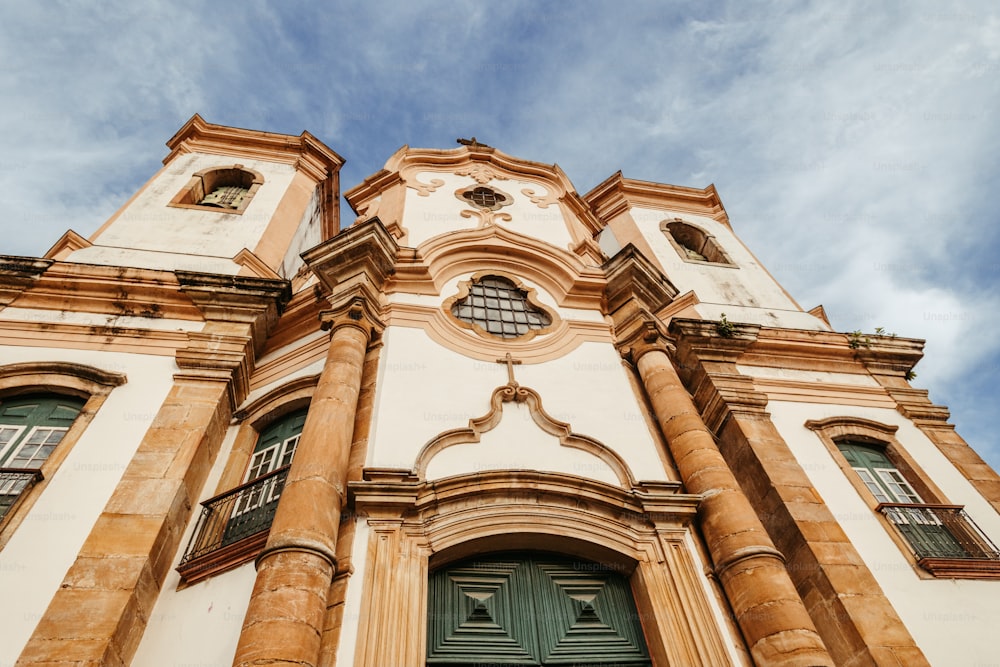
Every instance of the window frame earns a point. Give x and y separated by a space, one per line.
204 182
530 297
836 431
254 420
92 385
715 255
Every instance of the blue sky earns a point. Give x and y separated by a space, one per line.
855 149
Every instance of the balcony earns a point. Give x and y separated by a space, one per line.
13 483
232 527
945 540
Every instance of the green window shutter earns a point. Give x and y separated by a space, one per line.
32 426
255 508
878 473
535 610
923 530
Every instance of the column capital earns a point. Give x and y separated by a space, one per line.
354 311
642 333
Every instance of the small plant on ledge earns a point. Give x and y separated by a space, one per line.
725 328
857 339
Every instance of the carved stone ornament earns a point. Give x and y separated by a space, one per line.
480 172
423 189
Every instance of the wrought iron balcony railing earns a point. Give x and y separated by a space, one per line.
14 482
234 516
940 531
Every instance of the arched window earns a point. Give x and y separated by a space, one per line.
532 609
228 189
30 428
254 510
692 243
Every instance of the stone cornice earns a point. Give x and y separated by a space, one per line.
306 152
240 313
702 347
107 290
356 262
635 290
617 194
257 302
17 274
38 369
394 493
373 186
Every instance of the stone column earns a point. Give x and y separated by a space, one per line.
766 605
285 619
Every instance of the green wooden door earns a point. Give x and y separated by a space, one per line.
532 609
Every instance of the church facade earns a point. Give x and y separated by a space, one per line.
490 421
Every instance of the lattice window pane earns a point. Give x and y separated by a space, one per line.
499 307
483 197
873 486
37 447
898 486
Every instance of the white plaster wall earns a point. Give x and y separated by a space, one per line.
518 442
440 211
954 622
424 389
200 624
46 543
308 234
148 223
746 293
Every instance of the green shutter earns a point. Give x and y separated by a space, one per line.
286 427
535 610
29 413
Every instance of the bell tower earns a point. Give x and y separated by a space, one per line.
227 201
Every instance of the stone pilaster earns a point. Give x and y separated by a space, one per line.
767 606
856 621
100 611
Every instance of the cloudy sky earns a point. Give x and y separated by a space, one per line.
855 149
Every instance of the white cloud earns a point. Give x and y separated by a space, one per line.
854 147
